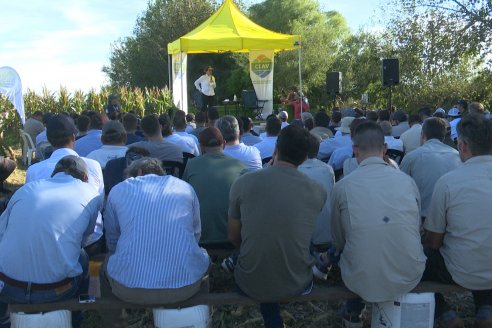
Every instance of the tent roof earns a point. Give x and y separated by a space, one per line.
229 30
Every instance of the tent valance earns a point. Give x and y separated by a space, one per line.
229 30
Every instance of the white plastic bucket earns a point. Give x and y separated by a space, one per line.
409 311
190 317
54 319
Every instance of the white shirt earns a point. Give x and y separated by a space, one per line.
284 124
43 170
107 153
185 145
393 143
206 84
453 124
266 147
411 138
249 155
323 174
191 140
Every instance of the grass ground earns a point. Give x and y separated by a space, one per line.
296 315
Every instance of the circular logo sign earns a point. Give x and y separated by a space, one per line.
262 66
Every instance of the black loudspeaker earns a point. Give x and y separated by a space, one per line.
333 82
391 72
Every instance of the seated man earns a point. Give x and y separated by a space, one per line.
249 155
179 124
373 232
155 143
92 140
458 226
429 162
201 123
328 146
130 123
273 237
114 140
41 236
391 142
267 145
169 136
247 137
321 122
211 175
154 259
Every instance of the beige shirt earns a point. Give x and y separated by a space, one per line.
461 208
375 223
411 138
427 164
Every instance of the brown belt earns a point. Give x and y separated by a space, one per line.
34 286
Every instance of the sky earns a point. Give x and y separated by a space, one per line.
67 42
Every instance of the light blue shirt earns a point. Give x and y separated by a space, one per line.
190 140
267 146
186 146
43 170
90 142
339 156
249 139
42 229
328 146
152 230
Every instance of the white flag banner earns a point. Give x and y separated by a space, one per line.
11 87
180 94
261 73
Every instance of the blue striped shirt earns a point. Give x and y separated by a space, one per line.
152 230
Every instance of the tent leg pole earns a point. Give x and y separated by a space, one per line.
181 63
300 76
170 82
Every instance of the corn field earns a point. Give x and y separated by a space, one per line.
140 101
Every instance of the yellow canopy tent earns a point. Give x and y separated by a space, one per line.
229 30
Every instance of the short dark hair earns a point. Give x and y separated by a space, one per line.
166 126
130 122
336 116
83 122
145 165
96 121
179 120
354 124
201 117
247 123
399 116
37 113
384 115
425 110
372 115
313 146
368 137
150 125
321 119
413 119
476 131
476 107
240 125
273 125
190 117
293 144
213 113
434 128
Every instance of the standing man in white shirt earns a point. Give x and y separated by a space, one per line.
206 85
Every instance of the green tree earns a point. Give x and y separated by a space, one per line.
323 35
141 60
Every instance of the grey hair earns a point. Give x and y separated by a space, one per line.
229 127
144 166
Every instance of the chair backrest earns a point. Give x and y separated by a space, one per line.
27 140
249 98
266 160
395 155
186 157
173 168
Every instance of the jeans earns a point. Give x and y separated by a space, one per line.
79 285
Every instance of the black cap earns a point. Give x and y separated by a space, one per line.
72 165
60 126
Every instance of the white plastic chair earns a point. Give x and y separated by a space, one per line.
28 148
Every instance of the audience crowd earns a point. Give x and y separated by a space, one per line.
391 199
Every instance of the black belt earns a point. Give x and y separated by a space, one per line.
34 286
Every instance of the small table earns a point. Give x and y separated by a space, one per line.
228 103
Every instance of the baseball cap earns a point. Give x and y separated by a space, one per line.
345 124
454 112
60 126
211 137
283 114
72 165
440 110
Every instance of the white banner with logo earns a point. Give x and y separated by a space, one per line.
11 87
261 72
180 94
